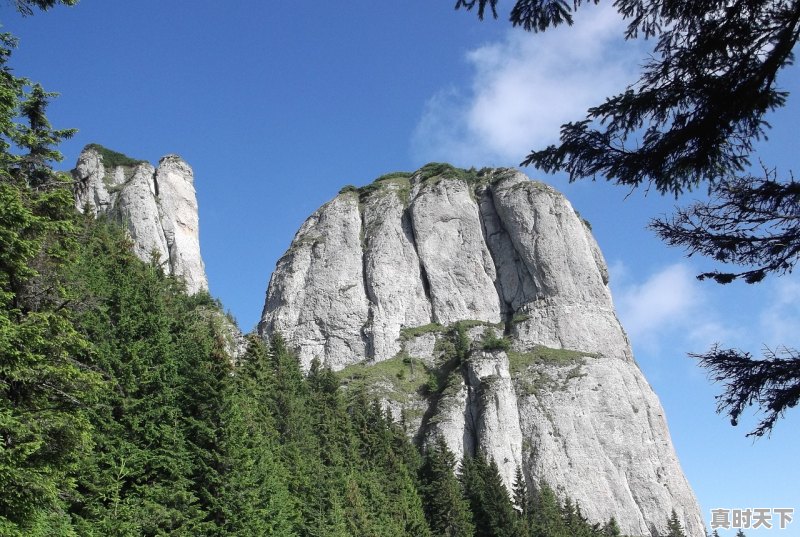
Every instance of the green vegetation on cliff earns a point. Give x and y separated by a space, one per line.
112 159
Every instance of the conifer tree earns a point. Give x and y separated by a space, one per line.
522 503
254 496
492 512
547 518
45 385
445 508
139 477
611 528
294 412
520 492
205 371
674 526
577 524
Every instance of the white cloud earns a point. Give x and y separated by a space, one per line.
780 319
524 88
669 309
660 302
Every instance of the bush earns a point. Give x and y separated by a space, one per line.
491 342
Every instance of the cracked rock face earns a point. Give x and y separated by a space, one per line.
157 206
381 274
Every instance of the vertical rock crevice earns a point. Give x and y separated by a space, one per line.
408 229
516 286
451 247
367 333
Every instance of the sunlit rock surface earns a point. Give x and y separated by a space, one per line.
157 206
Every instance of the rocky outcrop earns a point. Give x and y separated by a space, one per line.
411 275
157 206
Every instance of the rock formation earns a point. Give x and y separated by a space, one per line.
476 305
157 205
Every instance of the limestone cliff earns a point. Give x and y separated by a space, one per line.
157 205
406 285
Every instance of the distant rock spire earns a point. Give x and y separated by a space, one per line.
157 206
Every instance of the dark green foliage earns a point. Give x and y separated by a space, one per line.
546 515
491 342
700 102
748 221
26 7
577 524
386 452
611 528
34 141
155 467
492 511
45 382
348 188
433 169
522 503
38 140
674 526
255 497
772 383
461 342
533 15
394 175
752 222
446 509
182 446
448 171
112 159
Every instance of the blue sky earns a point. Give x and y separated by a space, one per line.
277 105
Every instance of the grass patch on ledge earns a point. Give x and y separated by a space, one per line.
436 328
415 331
430 174
396 378
519 361
394 175
472 323
112 159
434 172
520 317
530 380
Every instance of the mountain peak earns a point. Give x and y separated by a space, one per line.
402 281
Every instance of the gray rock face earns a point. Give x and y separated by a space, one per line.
396 292
317 293
157 205
381 274
452 250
